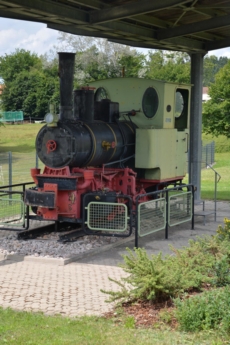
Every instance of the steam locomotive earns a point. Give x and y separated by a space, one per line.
113 141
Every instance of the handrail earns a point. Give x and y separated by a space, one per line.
215 189
22 184
214 172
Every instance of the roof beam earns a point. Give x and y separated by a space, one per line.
209 10
130 32
218 44
13 15
193 28
94 4
139 44
138 41
144 19
117 39
46 6
151 45
150 20
185 43
128 29
131 9
75 30
165 24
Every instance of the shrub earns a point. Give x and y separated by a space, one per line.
159 279
144 280
209 310
204 261
224 232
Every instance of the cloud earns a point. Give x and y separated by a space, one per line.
23 35
9 38
41 41
221 52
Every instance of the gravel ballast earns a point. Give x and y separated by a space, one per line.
50 247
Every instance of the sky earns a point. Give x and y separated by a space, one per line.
36 38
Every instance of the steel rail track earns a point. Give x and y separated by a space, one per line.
66 235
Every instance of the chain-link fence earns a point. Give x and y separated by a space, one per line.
15 167
208 154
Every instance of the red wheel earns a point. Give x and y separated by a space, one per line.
51 146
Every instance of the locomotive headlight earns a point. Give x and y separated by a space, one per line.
49 118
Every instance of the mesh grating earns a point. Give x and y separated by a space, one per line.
151 216
11 212
180 208
107 216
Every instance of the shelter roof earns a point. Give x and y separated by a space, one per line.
184 25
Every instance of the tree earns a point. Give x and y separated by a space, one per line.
133 64
175 66
96 58
212 64
216 112
12 64
169 66
29 85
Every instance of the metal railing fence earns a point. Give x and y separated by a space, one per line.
151 216
14 214
107 218
164 208
15 167
168 207
208 154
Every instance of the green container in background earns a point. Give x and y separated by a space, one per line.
11 116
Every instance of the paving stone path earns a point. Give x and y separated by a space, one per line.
72 290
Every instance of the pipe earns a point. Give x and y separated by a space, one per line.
66 73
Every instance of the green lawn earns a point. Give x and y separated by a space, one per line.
19 137
222 166
222 144
22 328
20 140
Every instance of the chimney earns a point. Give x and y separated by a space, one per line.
66 73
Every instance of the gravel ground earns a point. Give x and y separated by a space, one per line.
50 247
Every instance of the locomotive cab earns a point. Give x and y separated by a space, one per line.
160 112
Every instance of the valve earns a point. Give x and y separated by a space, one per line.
51 146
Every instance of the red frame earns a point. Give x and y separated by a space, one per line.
68 203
